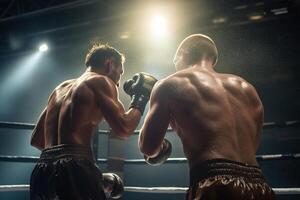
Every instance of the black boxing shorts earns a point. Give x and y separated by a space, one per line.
66 172
224 179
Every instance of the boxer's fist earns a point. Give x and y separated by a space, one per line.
113 185
164 154
139 88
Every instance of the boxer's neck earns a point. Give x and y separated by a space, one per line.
205 64
98 71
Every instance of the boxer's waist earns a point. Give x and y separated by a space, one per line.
67 150
224 167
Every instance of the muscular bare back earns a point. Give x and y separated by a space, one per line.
74 109
72 113
215 115
219 119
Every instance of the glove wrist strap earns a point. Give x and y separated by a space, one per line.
139 102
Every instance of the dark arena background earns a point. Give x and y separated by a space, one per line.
43 43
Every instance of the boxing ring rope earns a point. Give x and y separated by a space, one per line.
32 159
28 126
169 190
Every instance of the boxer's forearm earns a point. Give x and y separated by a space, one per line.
127 123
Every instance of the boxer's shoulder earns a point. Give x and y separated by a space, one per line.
239 86
230 80
165 89
100 82
65 83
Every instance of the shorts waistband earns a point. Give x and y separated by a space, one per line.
67 150
224 167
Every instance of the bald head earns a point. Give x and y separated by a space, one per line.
193 49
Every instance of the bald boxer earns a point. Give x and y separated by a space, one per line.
66 168
219 119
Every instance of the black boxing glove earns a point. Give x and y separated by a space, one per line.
112 185
163 155
139 88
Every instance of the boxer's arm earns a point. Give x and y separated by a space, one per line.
122 123
257 105
37 137
156 122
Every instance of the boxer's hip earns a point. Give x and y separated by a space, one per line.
64 151
66 172
225 179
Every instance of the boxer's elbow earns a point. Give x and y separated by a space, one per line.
122 132
147 149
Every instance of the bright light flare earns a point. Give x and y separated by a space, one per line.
256 17
159 25
16 80
43 47
219 20
125 35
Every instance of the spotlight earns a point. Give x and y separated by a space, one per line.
219 20
279 11
241 7
159 25
256 16
43 47
125 35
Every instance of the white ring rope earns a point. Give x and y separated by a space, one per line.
32 159
169 190
16 125
28 126
13 188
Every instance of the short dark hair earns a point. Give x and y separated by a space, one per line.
99 53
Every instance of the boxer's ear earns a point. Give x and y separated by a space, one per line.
108 64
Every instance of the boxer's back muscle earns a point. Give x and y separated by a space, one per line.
216 116
72 113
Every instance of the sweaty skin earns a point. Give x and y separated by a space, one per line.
77 106
215 115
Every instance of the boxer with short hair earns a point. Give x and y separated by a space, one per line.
219 119
66 168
